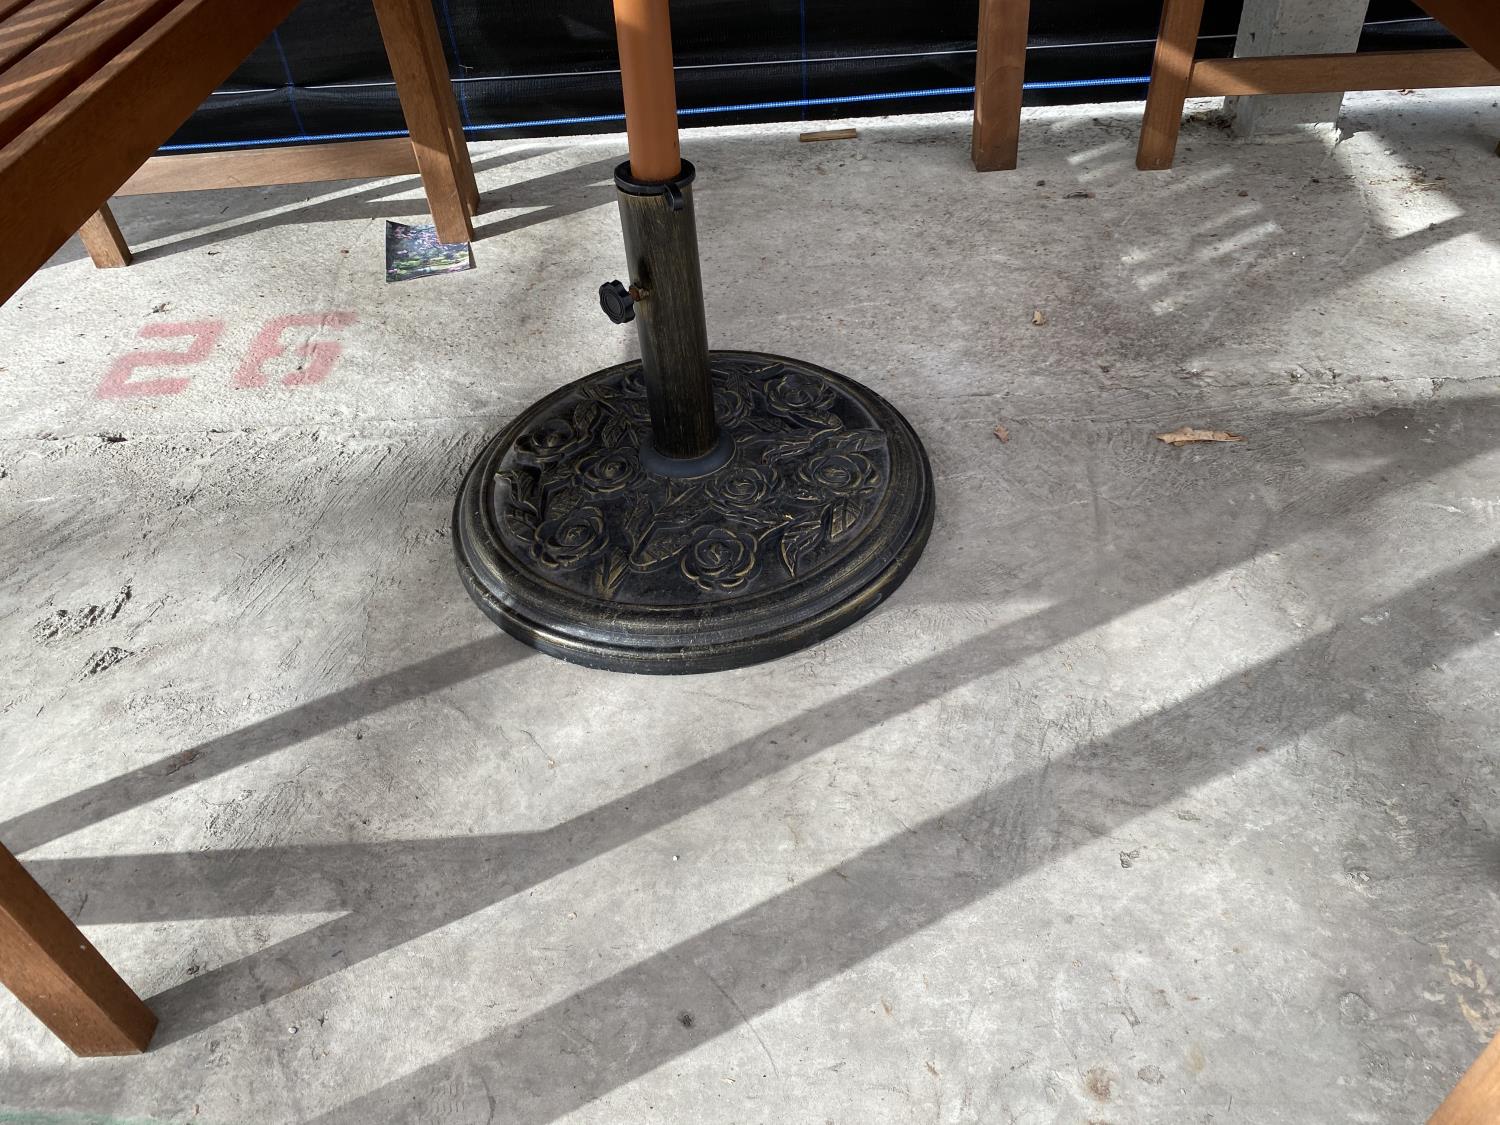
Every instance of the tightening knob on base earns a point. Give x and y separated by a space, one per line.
618 302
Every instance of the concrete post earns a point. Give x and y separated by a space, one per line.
1292 27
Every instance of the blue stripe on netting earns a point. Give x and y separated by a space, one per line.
694 111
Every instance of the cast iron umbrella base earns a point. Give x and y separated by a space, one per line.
575 537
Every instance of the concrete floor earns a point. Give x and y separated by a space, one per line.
1163 791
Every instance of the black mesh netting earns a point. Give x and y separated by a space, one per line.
525 68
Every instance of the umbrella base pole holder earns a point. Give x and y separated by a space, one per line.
810 509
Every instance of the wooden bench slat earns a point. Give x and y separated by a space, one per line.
47 74
8 8
33 23
82 149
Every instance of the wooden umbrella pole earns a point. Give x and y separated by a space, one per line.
644 29
661 245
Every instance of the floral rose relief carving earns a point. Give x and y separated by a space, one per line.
809 467
569 539
719 558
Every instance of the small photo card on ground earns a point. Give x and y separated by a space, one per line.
416 252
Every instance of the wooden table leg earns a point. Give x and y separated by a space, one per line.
103 240
1176 44
54 970
998 72
1476 1098
437 67
421 72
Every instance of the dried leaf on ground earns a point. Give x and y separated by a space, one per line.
1038 317
1002 433
1187 435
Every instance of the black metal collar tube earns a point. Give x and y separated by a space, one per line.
666 293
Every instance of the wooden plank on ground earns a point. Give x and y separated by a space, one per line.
1318 74
56 972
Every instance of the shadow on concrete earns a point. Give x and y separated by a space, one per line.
746 965
559 194
209 759
233 212
552 196
392 893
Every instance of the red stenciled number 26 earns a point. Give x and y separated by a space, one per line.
317 357
118 383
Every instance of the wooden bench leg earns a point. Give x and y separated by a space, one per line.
1476 22
1476 1098
103 240
998 73
437 65
416 56
1171 69
54 970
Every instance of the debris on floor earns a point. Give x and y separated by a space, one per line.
1187 435
829 135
